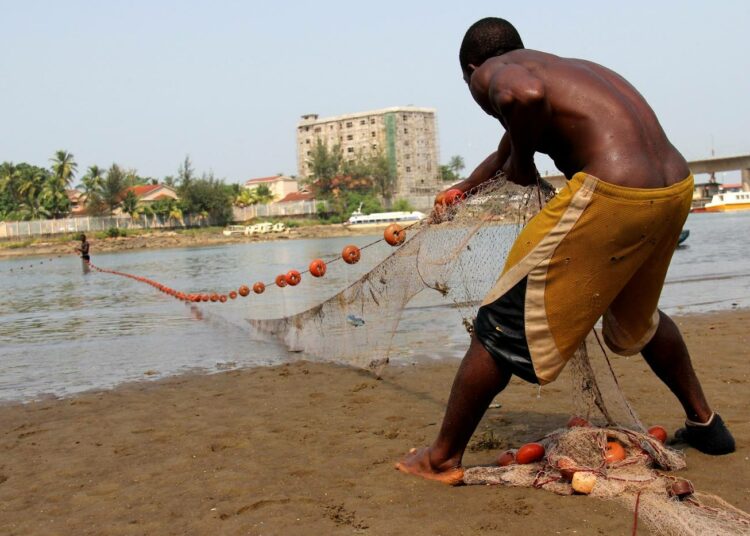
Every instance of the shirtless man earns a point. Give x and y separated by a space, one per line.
601 247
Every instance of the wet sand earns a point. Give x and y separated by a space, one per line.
308 448
173 239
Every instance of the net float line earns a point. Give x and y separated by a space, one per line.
394 235
446 204
33 264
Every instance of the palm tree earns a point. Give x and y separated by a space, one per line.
92 185
245 198
456 164
114 184
63 168
263 194
130 204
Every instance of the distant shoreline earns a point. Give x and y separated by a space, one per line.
176 239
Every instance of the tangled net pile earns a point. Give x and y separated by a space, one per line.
458 259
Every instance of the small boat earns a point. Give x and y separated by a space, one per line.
234 230
728 202
683 236
382 218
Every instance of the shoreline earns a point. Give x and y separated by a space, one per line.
309 447
162 239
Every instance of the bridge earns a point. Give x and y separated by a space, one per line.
709 165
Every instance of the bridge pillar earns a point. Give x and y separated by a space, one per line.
746 180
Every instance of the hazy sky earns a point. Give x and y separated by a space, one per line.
143 83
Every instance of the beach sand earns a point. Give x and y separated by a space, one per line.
308 448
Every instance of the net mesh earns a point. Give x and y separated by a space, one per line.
455 261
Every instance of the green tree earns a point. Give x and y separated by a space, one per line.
208 197
456 164
129 204
185 173
403 205
33 188
324 164
54 194
383 176
92 185
263 194
114 184
245 198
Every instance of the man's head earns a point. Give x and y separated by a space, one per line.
485 39
83 237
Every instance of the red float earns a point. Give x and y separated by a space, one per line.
281 280
222 298
351 254
244 290
614 452
293 278
530 453
214 297
453 196
394 234
317 268
232 294
576 421
506 458
259 287
658 433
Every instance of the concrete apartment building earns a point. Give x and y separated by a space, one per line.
407 135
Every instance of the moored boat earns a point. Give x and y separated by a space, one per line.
728 202
360 219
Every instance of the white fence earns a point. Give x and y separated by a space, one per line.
27 229
273 210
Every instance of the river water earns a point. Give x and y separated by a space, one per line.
63 332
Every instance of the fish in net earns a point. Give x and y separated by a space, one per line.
453 260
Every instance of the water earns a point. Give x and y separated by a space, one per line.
63 332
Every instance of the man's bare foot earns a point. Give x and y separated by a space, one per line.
417 463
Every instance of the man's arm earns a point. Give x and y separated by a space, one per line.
519 98
488 168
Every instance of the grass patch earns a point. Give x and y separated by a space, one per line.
17 245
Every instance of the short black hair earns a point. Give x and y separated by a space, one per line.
487 38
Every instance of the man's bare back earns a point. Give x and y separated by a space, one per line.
588 118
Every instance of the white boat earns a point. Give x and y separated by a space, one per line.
234 230
728 202
383 218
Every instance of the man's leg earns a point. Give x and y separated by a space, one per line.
478 380
668 357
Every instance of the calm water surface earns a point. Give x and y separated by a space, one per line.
63 332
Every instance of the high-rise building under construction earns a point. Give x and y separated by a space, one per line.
406 135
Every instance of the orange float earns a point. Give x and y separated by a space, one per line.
394 234
530 453
453 196
317 268
658 433
259 287
222 298
614 452
351 254
293 278
232 294
440 198
244 290
506 458
205 297
576 421
214 297
281 280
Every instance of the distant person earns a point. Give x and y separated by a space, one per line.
83 250
600 247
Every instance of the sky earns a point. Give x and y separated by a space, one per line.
144 83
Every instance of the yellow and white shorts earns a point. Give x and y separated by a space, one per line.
596 249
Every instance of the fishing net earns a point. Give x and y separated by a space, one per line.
452 262
455 261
